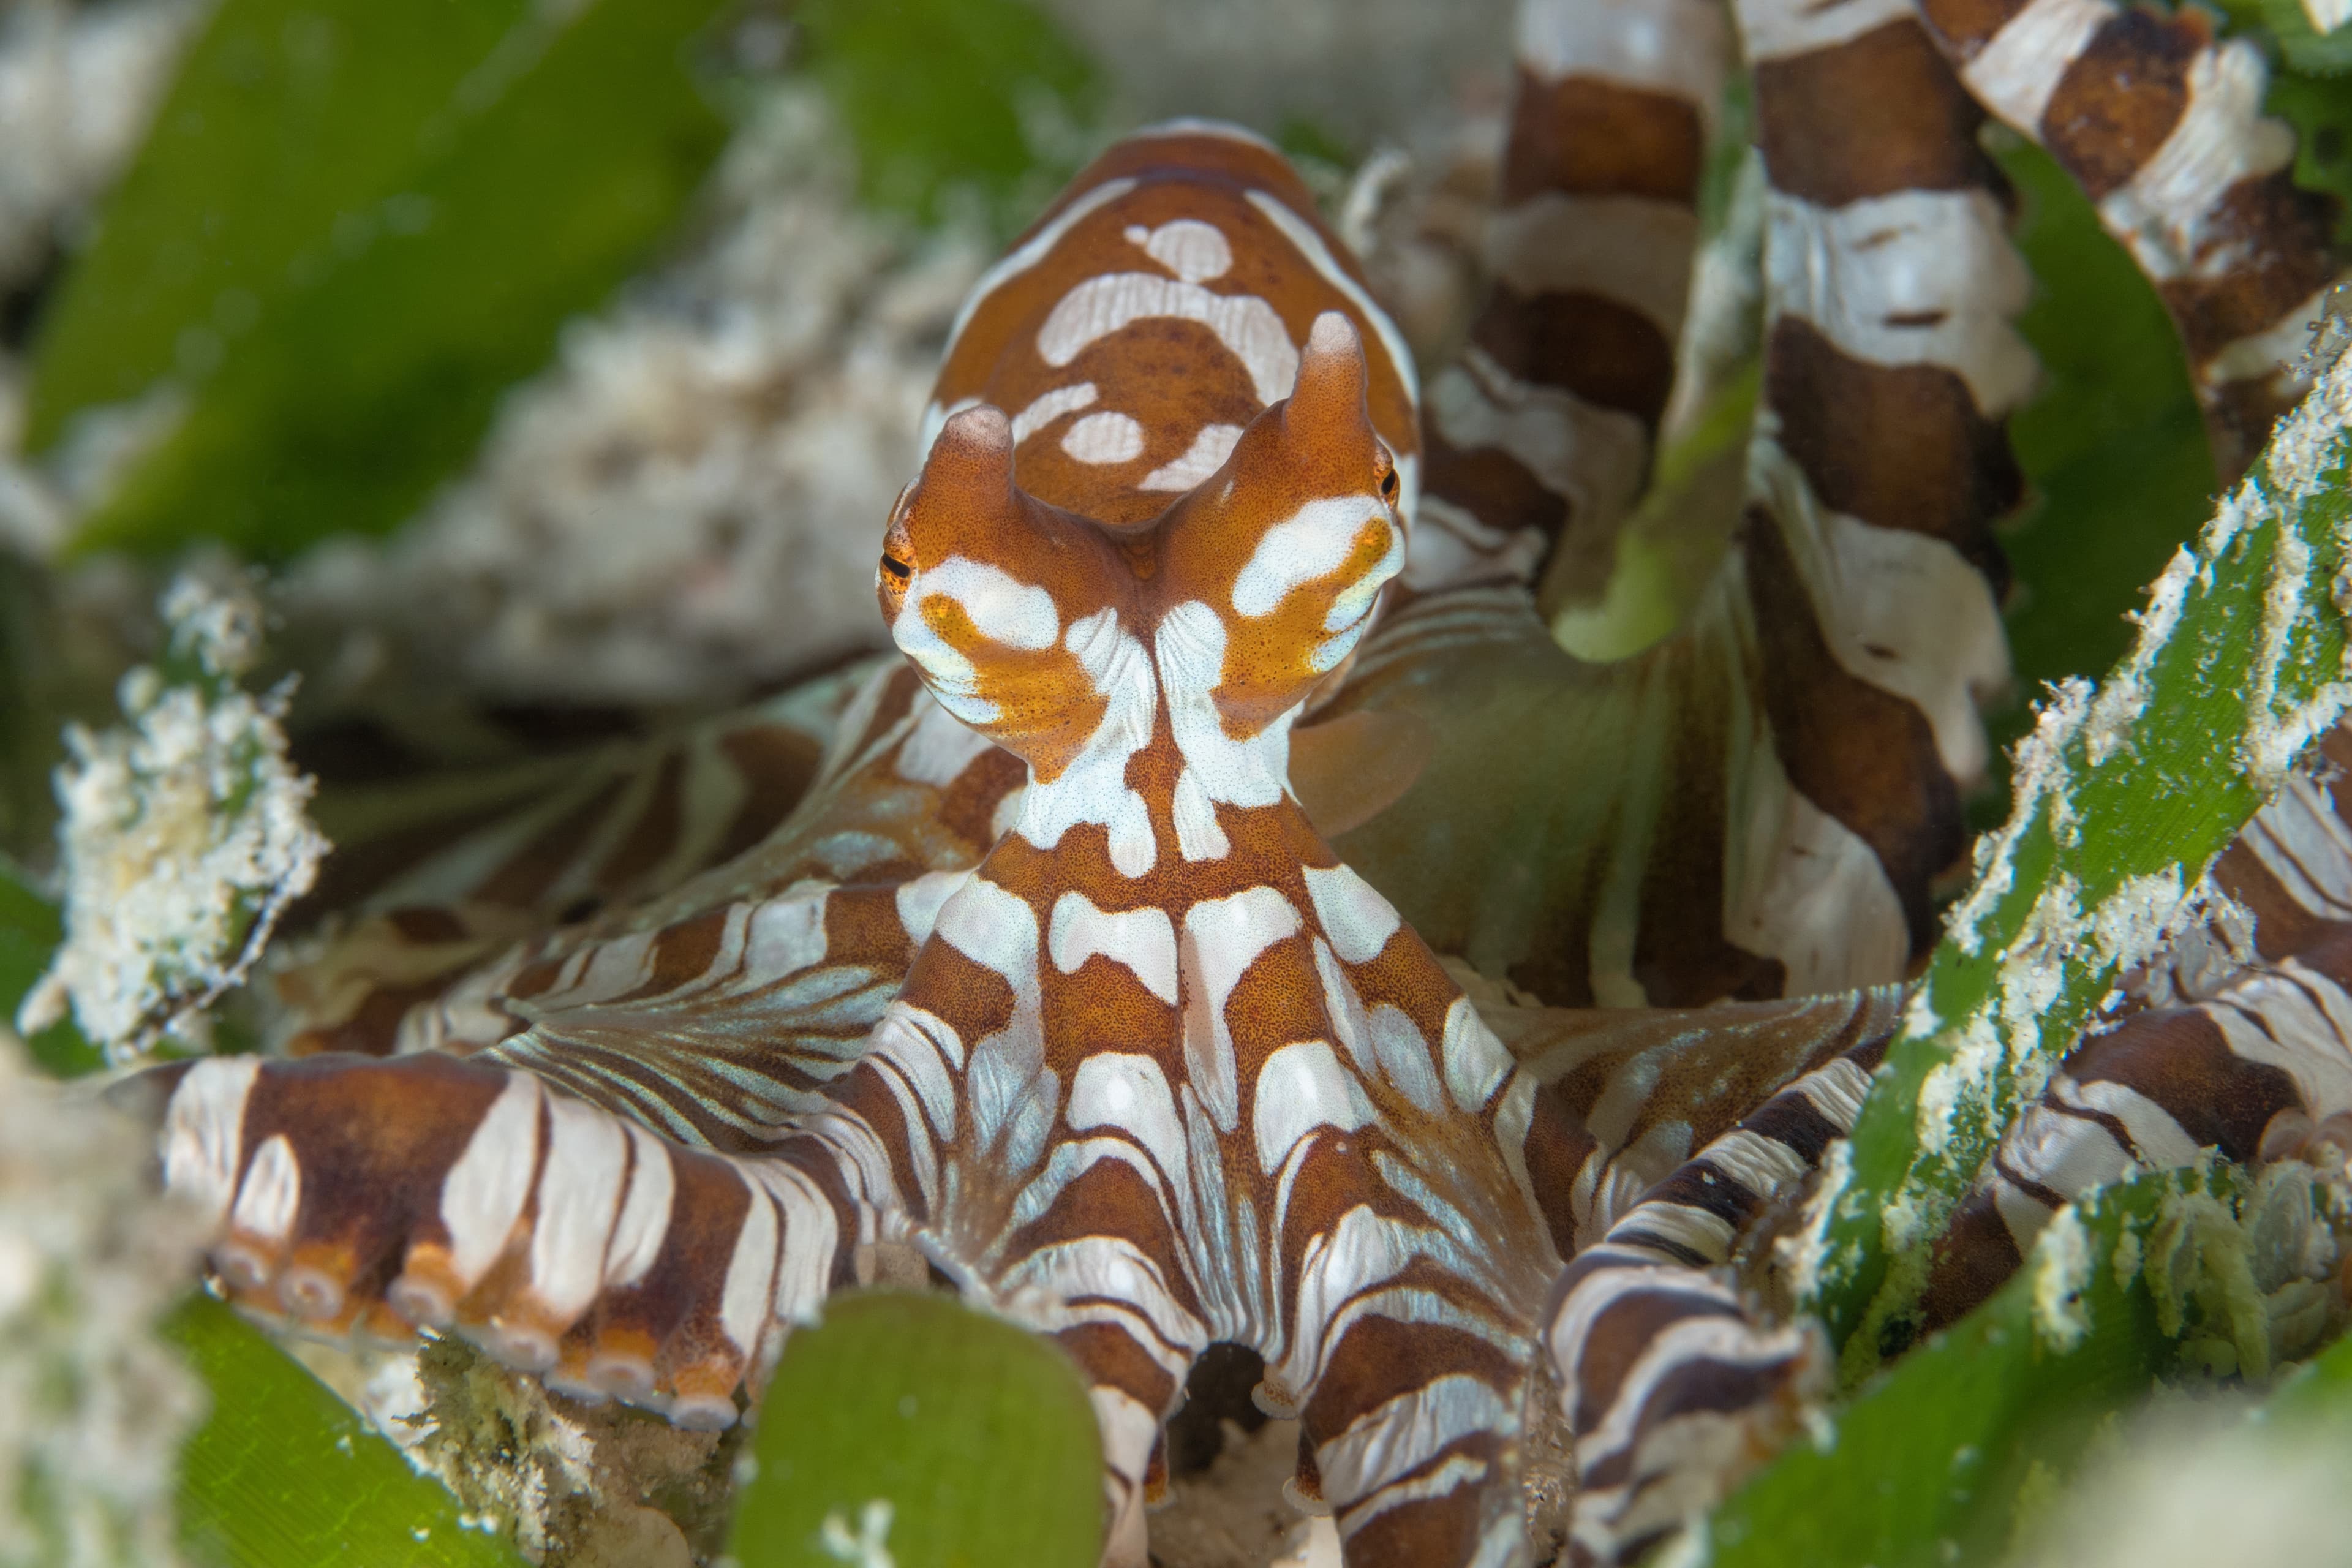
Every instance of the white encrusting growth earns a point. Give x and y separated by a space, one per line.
2000 1054
184 835
93 1403
2061 1267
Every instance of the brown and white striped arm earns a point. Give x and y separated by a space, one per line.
1882 458
434 878
1673 1385
2162 126
355 1196
1628 1094
1755 806
1539 438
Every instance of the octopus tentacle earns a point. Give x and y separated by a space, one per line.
1781 774
1672 1387
1881 457
2161 125
428 894
359 1195
1540 438
1626 1096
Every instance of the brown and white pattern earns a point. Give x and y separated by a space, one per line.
1756 804
1676 1387
2162 126
1043 978
1540 439
1160 1072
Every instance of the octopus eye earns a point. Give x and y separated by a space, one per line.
896 568
1389 483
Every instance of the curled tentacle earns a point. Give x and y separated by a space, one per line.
1674 1386
351 1195
2162 126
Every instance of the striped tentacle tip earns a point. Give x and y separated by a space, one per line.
362 1198
1672 1394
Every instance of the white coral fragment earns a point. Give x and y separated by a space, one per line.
185 835
92 1405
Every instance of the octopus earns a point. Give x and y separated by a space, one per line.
1238 920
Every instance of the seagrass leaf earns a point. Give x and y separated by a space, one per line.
282 1474
2125 793
353 226
1929 1465
910 1425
